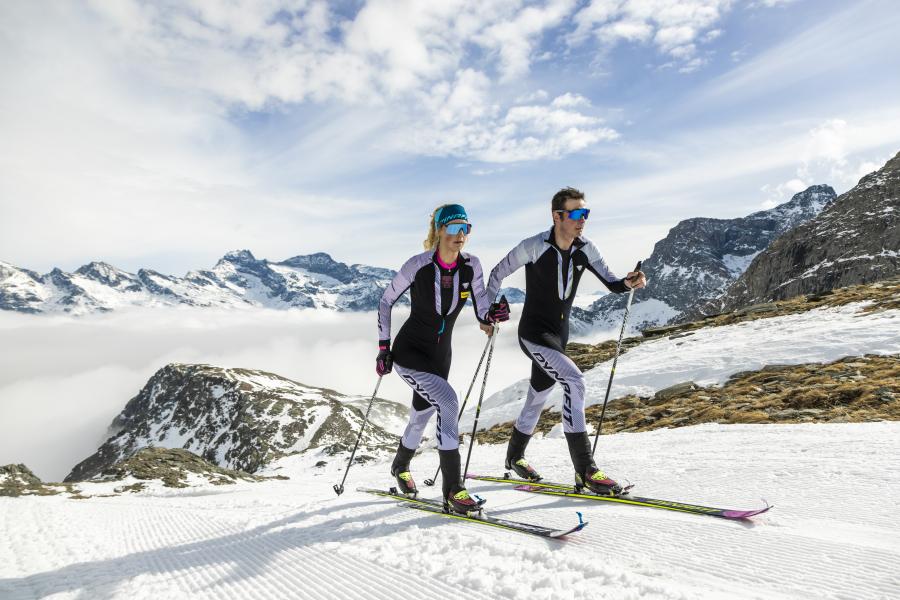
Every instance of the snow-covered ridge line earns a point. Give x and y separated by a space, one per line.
238 280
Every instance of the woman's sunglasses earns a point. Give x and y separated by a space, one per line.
455 228
578 213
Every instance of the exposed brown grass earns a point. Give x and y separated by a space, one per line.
850 390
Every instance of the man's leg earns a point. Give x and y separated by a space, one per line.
562 370
538 390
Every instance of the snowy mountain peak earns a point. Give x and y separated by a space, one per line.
240 258
701 257
107 274
321 263
855 239
235 418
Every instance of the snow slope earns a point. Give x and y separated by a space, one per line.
712 354
832 534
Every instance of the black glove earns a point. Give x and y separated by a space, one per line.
499 311
385 360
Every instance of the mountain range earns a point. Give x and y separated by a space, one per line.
237 280
855 239
700 258
812 243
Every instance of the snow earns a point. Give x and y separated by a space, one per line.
832 533
581 300
651 311
738 264
828 263
295 539
712 354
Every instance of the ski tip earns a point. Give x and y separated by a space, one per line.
745 514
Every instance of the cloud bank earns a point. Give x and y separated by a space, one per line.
63 380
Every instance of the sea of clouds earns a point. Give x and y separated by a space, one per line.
63 379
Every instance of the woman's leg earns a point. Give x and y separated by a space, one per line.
435 390
441 396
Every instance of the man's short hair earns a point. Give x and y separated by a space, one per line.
567 193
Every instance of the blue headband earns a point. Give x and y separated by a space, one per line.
450 213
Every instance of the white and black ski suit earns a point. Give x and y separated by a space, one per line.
422 349
551 281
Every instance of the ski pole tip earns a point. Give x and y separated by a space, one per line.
338 489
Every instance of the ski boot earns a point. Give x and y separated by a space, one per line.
596 481
515 456
587 475
463 503
456 497
400 471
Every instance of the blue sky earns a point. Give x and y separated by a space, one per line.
164 134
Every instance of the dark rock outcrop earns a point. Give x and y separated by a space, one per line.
855 240
701 257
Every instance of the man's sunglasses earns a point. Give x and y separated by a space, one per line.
455 228
577 214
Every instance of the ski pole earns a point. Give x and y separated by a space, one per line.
430 482
487 368
339 488
615 360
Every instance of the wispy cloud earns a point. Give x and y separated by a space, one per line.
859 39
676 28
409 56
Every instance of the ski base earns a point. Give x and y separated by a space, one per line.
435 507
568 491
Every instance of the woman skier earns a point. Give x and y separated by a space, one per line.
440 281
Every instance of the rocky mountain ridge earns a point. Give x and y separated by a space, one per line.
699 259
854 240
237 419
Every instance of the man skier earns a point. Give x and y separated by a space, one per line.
554 262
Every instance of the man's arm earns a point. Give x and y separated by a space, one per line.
597 265
518 257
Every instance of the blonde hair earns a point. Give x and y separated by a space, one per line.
431 241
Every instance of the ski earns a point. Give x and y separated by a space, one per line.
512 480
567 491
435 507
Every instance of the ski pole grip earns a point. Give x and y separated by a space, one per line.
637 268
